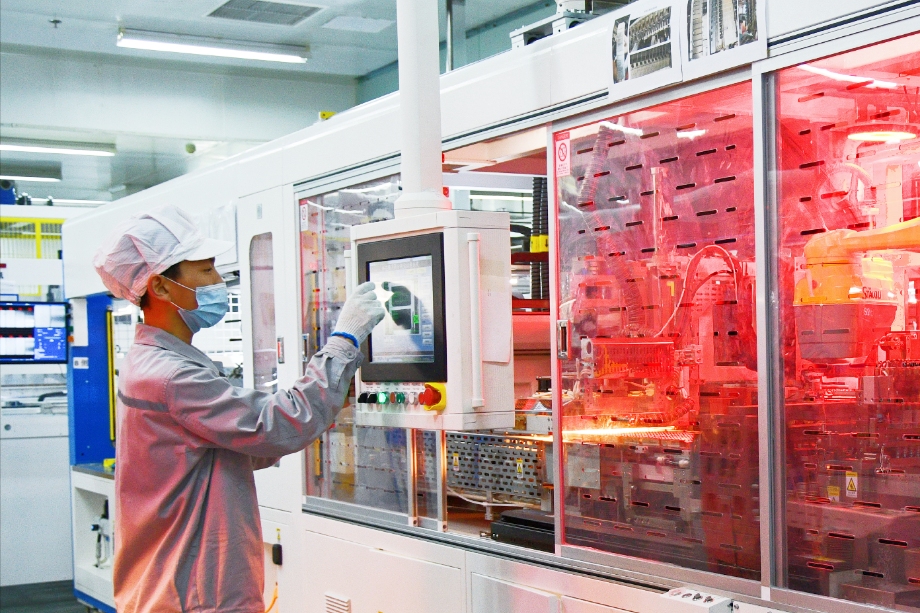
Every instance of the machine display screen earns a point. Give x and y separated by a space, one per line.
406 334
410 343
33 332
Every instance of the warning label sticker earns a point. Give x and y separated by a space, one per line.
520 468
455 463
304 217
833 493
562 144
852 486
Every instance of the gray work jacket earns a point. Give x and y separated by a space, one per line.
187 530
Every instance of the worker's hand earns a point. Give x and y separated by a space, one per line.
360 313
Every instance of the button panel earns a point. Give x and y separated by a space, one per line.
391 397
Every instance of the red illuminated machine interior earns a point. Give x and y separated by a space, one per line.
849 269
656 247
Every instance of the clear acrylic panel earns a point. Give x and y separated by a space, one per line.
361 465
848 190
262 291
427 468
656 284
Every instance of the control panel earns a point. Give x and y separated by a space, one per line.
402 397
441 359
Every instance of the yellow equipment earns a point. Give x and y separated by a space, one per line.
847 302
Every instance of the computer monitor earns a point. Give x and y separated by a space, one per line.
33 332
410 343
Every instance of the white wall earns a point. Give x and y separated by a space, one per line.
172 99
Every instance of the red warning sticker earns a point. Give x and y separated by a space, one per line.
563 146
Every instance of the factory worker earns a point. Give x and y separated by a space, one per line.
187 530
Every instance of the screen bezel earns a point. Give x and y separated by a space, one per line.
396 249
32 360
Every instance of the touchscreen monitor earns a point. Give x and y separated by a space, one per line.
406 334
409 344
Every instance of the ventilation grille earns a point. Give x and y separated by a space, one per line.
259 11
334 604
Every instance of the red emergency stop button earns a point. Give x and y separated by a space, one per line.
430 396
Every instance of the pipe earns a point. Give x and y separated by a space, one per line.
420 108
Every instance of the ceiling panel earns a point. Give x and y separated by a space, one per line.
93 27
56 30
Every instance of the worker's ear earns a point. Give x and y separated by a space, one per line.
158 288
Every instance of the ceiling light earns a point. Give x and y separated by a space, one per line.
623 129
71 201
38 173
198 45
495 197
365 190
61 148
30 179
836 76
351 23
691 134
881 136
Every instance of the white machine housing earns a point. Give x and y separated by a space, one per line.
493 341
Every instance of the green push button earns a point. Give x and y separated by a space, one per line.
382 398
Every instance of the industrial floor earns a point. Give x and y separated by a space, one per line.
56 597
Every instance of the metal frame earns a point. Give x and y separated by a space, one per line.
877 16
346 178
411 476
441 467
772 534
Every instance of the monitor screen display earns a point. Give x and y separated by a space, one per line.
406 334
33 332
410 343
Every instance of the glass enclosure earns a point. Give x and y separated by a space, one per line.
657 338
848 190
473 477
659 385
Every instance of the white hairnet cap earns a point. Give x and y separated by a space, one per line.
146 245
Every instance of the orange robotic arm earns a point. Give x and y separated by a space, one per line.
836 246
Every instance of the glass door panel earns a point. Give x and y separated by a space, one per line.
262 295
848 190
656 287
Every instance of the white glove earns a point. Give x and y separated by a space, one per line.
360 313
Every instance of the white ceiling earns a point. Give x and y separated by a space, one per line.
93 26
148 150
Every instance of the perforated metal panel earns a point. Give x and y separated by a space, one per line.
514 466
264 12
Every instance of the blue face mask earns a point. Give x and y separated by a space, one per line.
212 306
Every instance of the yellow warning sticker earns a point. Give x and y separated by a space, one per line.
852 485
455 462
833 493
520 468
